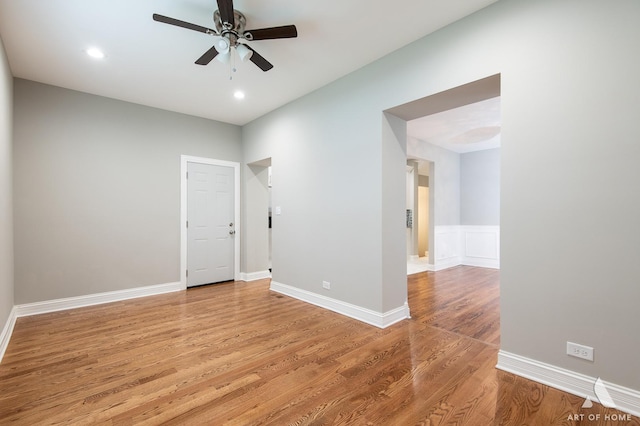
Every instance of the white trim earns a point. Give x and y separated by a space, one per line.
480 246
94 299
395 315
7 331
625 399
446 241
466 245
378 319
439 266
480 262
417 267
254 276
184 159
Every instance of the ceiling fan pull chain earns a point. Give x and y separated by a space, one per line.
233 61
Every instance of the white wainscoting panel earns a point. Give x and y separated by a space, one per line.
466 245
481 246
447 247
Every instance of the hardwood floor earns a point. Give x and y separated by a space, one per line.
238 353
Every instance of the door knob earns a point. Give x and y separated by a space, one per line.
231 232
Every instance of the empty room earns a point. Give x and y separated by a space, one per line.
204 214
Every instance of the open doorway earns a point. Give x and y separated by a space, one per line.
422 212
419 207
270 220
456 122
257 247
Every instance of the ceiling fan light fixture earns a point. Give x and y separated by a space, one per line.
222 45
244 52
224 57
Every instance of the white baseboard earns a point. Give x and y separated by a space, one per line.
483 263
378 319
625 399
94 299
6 332
254 276
449 263
416 268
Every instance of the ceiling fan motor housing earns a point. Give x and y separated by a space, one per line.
232 33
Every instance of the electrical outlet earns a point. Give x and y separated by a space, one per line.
326 285
580 351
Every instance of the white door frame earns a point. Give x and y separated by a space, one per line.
184 159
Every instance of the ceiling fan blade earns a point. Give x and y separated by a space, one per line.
225 7
207 57
285 31
183 24
261 62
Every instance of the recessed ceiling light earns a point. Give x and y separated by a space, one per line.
95 53
238 94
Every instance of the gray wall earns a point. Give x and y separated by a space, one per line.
569 161
324 150
97 190
444 180
480 188
6 201
570 102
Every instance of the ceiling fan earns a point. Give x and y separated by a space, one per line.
231 33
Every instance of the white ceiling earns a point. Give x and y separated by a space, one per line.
151 63
468 128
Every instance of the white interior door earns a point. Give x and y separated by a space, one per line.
210 224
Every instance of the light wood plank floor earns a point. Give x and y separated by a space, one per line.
238 353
